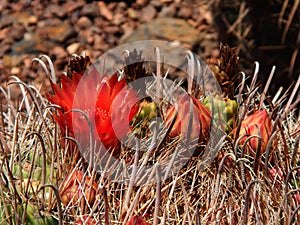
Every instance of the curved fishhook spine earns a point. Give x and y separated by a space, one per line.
59 211
191 70
21 85
52 70
267 87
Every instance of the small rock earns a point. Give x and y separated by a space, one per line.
122 5
185 12
15 71
3 5
56 10
60 12
111 40
100 44
12 60
105 11
18 17
49 22
17 32
71 6
118 19
37 9
112 29
31 23
75 17
141 2
98 22
61 57
89 36
193 23
17 7
32 20
156 3
211 36
73 48
209 44
132 14
128 29
84 22
167 11
32 43
90 10
95 29
59 52
148 12
112 5
206 15
4 32
5 48
60 32
202 28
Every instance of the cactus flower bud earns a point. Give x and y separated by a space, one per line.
201 118
225 110
148 111
74 187
259 123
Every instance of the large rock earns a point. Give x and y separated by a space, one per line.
32 43
167 29
177 33
60 32
18 17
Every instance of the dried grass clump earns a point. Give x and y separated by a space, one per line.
236 188
267 31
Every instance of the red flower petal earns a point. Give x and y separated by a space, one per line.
201 118
82 92
255 124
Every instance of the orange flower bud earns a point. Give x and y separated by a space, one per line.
260 124
201 118
74 188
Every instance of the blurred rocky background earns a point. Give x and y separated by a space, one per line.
265 31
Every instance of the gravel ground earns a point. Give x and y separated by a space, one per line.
61 28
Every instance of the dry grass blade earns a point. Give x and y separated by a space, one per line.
289 21
157 195
224 181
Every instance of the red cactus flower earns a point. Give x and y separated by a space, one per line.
255 124
76 187
95 96
201 118
115 108
136 220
